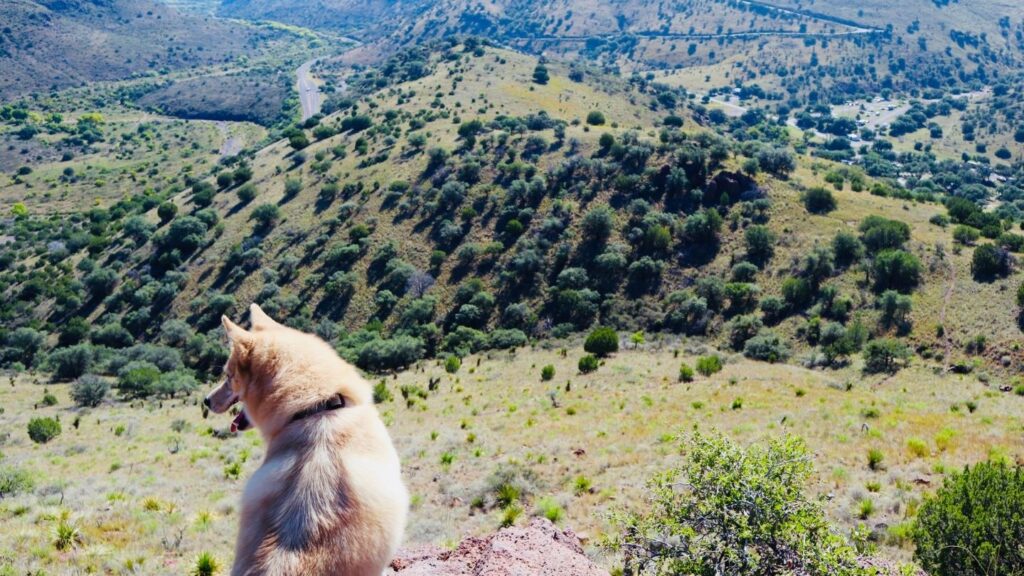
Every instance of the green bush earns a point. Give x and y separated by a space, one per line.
990 261
708 365
767 346
896 270
89 390
137 379
266 216
540 74
760 241
381 394
742 328
819 200
71 362
595 118
246 193
685 373
735 510
452 364
884 355
14 481
875 458
380 355
547 372
973 524
602 341
588 364
42 430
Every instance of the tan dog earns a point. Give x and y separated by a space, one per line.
328 498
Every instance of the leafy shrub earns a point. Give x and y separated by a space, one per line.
42 430
452 364
896 270
14 481
547 372
990 261
847 249
884 355
380 355
549 508
595 118
540 74
266 216
246 193
506 338
602 341
137 379
760 244
89 390
685 373
879 234
767 346
708 365
819 200
588 364
174 382
875 458
71 362
972 526
741 329
735 510
917 447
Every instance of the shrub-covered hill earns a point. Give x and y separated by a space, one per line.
51 44
494 200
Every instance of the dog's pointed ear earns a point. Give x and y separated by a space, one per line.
259 318
236 333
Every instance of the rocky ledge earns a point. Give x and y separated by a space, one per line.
539 549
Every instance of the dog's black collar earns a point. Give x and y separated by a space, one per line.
332 403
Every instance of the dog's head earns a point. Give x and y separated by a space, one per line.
278 373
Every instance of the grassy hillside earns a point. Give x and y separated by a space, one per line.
55 45
436 212
149 485
811 50
457 223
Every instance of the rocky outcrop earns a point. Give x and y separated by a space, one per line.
540 549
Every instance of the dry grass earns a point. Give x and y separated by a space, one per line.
133 495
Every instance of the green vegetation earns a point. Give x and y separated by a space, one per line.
547 372
971 525
468 214
602 341
708 365
588 364
736 500
42 430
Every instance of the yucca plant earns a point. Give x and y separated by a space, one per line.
65 533
206 565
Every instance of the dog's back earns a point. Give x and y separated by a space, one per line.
327 500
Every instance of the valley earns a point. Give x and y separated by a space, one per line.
565 241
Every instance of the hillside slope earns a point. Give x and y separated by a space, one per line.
54 44
474 207
803 48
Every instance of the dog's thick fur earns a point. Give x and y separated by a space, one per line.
328 498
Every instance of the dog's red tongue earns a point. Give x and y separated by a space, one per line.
240 423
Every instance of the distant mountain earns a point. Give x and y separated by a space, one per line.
346 15
47 44
822 48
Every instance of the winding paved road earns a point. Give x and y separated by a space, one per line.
309 92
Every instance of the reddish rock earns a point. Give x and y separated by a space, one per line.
539 549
